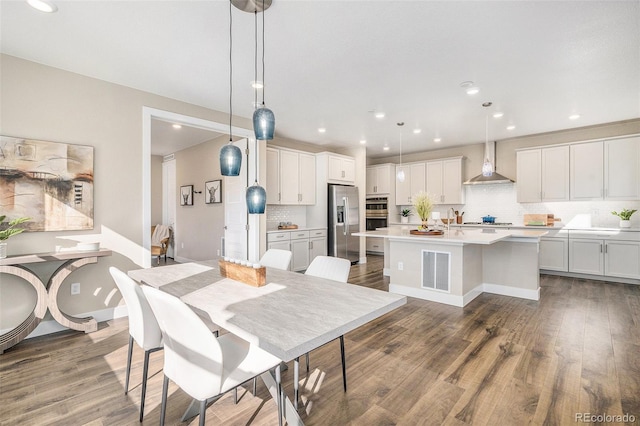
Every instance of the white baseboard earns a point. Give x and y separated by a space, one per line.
461 301
363 260
512 291
52 326
425 294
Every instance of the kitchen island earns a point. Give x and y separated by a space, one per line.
456 267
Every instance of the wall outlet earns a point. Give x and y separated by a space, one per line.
400 266
218 252
75 288
182 245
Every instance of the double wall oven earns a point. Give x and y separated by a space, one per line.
376 213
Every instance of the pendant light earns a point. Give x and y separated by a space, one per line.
230 155
256 195
487 167
401 171
264 122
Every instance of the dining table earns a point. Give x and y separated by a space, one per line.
289 316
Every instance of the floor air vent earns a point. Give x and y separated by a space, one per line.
436 270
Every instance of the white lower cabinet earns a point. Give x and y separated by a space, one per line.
317 243
554 251
304 245
375 245
609 254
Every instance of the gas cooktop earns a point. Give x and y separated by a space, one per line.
488 223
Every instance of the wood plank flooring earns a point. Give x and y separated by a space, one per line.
499 361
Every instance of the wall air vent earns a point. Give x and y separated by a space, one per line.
168 157
436 270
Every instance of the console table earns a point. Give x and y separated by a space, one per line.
47 295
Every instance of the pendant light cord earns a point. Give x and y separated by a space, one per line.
230 71
263 82
255 90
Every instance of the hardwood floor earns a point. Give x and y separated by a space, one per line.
499 361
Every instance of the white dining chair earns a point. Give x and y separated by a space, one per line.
276 258
199 363
330 268
143 327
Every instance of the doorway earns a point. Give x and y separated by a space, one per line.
150 114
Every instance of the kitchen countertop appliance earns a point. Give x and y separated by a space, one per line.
344 220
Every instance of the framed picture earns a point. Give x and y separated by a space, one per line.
213 191
49 182
186 195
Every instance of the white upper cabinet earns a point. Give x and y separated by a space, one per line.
341 169
273 176
543 174
528 176
403 189
444 181
418 178
379 179
296 177
587 171
414 182
555 174
622 169
598 170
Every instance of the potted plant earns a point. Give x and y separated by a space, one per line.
404 215
423 206
625 217
8 230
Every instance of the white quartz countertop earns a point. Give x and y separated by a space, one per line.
516 226
302 228
454 236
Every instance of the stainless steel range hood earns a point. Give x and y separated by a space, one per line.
490 155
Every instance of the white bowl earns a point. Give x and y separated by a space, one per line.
88 246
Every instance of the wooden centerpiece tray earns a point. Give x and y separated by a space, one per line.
255 277
427 232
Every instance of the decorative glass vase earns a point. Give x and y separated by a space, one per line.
3 250
625 223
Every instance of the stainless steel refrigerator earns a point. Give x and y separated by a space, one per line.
344 220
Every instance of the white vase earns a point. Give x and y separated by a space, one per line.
625 223
3 250
404 219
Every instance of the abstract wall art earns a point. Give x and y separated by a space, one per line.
50 182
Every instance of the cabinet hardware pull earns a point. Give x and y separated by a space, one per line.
278 196
310 244
600 248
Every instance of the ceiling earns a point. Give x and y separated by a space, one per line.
332 64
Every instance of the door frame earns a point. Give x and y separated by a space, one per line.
148 114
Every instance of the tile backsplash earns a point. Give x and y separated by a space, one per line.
500 200
295 214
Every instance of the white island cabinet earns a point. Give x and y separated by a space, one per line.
456 267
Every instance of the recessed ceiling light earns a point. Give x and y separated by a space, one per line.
574 116
379 114
177 126
473 90
386 148
322 130
257 84
437 140
363 141
511 127
417 131
43 5
498 114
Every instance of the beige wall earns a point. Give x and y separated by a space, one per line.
199 227
40 102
